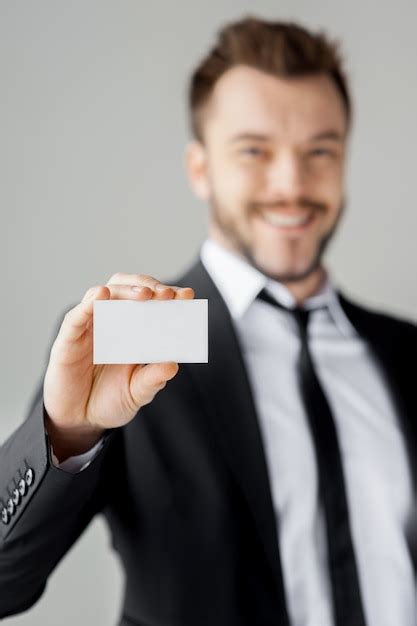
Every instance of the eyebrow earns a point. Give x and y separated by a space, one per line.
330 134
249 136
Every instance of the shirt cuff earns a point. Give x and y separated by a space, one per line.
78 463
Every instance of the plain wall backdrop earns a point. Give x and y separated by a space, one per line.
93 129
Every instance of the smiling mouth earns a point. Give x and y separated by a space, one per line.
287 220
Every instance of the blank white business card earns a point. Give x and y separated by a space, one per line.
150 331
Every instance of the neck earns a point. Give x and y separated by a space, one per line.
309 286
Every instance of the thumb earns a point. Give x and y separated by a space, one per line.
147 380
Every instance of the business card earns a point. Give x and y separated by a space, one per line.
150 331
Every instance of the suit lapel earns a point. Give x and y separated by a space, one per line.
395 348
225 386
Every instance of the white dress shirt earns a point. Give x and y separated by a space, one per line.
378 477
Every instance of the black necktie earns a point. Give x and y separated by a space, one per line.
347 603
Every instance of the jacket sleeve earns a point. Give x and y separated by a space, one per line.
43 509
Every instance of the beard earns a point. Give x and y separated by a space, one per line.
231 233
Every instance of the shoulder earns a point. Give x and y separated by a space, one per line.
398 325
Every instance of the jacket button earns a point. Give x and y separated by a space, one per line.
10 506
21 485
4 516
29 476
16 496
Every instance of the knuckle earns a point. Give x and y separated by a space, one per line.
115 277
90 291
147 391
68 315
56 348
140 398
145 278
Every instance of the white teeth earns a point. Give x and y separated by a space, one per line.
286 220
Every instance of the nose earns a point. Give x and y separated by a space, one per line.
285 176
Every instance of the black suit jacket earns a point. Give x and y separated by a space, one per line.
183 487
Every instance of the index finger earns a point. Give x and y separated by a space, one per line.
76 319
145 280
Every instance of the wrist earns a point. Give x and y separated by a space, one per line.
68 442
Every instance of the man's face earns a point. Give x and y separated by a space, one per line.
271 168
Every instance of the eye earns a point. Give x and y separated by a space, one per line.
321 152
252 151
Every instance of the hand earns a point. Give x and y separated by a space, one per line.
81 399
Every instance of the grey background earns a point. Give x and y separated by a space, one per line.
93 129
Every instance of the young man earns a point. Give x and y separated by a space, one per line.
275 485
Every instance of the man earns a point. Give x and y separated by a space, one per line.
274 485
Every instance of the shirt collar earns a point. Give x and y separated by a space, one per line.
239 283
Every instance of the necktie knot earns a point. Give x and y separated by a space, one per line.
300 315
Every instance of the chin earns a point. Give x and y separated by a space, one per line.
287 272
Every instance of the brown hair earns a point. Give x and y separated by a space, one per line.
283 49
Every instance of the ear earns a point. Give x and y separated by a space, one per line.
196 168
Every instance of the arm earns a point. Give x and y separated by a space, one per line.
50 508
76 403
